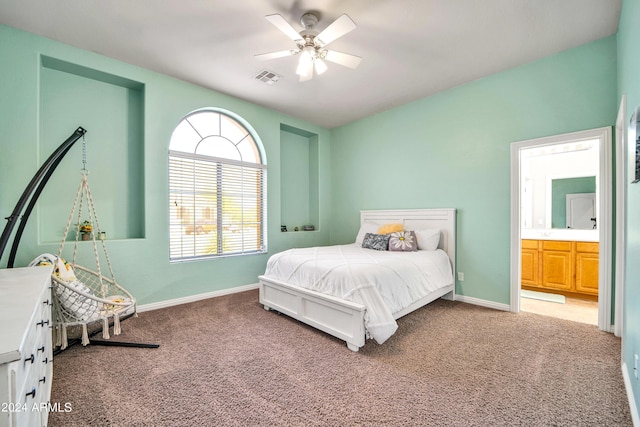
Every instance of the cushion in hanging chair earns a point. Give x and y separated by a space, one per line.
79 306
67 286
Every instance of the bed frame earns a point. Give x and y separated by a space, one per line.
345 319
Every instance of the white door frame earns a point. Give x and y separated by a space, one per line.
621 213
604 185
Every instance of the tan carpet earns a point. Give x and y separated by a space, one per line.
227 361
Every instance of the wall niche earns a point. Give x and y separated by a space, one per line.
111 109
299 177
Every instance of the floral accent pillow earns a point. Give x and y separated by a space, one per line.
403 241
379 242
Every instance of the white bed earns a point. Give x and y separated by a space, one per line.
296 281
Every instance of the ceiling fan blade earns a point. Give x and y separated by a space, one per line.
344 59
338 28
274 55
284 26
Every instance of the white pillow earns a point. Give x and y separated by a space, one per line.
80 306
367 227
428 239
65 272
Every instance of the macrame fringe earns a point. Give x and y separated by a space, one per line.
57 337
64 342
116 324
105 328
85 335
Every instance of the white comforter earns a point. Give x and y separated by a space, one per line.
384 282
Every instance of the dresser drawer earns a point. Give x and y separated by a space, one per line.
26 350
37 345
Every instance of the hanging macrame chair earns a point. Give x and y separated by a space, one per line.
83 296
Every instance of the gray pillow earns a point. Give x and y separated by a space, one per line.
379 242
403 241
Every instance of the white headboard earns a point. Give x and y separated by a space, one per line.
418 219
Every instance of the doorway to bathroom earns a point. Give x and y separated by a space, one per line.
561 226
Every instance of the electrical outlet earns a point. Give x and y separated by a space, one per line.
460 276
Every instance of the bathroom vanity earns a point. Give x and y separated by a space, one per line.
561 261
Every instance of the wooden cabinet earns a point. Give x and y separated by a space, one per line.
26 348
587 268
530 263
560 266
557 265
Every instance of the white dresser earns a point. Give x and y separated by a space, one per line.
26 353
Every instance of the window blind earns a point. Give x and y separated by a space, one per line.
216 207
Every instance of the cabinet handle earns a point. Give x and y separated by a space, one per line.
46 360
43 380
46 302
30 359
43 322
32 393
41 349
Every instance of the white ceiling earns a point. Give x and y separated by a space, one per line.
410 48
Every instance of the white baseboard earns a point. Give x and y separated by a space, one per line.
483 302
194 298
635 417
198 297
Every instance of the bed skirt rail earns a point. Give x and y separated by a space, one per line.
337 317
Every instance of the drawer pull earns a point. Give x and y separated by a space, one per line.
30 359
43 322
45 302
41 349
47 360
43 380
32 393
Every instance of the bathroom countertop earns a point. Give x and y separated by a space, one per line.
567 234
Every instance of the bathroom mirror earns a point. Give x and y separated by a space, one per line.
573 203
548 174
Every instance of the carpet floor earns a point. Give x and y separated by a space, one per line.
228 362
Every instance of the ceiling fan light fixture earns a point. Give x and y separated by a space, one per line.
320 65
305 64
308 54
305 68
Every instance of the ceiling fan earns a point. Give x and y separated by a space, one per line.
310 44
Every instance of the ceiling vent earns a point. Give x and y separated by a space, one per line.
268 77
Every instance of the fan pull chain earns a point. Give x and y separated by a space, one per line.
84 156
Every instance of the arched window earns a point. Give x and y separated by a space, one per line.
217 188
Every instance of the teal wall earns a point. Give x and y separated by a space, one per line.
629 84
452 150
113 109
30 128
294 158
299 178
